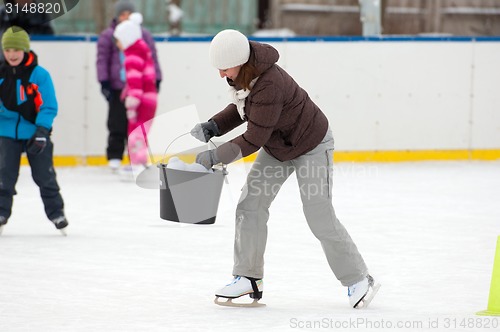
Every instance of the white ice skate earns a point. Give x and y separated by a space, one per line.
114 165
61 224
239 287
363 292
130 173
3 221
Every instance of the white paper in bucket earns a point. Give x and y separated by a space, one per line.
167 126
189 197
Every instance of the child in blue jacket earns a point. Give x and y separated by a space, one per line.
28 106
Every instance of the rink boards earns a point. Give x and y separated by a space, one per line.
387 99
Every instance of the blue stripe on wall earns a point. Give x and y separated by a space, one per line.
93 38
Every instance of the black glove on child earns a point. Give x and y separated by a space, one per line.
207 158
205 131
106 90
37 143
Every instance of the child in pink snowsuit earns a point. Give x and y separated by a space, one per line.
140 92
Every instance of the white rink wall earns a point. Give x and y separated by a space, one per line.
404 94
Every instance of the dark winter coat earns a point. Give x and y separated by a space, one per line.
281 117
109 65
27 98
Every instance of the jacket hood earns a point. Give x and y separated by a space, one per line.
30 59
264 56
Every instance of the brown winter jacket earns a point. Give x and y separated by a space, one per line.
281 117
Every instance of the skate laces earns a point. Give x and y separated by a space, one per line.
352 289
234 280
238 278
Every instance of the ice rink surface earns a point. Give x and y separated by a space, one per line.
427 231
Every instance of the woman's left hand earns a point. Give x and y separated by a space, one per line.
207 158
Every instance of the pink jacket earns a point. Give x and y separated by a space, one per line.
140 91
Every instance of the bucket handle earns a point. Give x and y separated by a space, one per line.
224 166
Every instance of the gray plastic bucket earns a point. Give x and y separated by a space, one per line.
189 197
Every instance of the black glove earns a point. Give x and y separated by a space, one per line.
207 158
106 90
205 131
37 143
158 82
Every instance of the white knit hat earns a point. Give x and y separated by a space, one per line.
228 49
129 31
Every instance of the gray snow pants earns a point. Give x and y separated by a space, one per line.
314 174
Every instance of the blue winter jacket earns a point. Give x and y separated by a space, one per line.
27 98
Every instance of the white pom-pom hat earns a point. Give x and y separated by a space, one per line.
228 49
129 31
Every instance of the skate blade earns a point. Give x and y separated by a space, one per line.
63 231
230 303
368 297
1 230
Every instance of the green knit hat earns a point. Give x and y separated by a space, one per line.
16 38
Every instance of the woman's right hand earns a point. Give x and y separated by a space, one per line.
205 131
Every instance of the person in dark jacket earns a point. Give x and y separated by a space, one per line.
295 137
19 13
111 76
28 106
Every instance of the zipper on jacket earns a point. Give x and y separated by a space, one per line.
17 126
